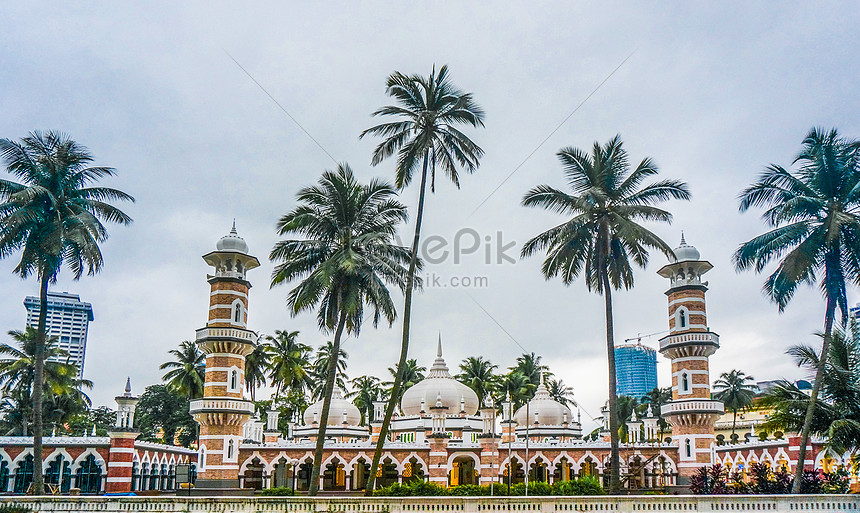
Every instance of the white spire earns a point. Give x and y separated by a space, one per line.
439 346
439 369
128 386
683 242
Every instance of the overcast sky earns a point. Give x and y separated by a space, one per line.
712 92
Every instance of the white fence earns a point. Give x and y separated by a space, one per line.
626 504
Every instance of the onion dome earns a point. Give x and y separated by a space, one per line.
341 409
232 242
440 390
685 252
545 409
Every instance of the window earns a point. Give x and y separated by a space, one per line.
234 380
230 450
685 382
24 475
682 317
89 476
237 315
688 448
4 476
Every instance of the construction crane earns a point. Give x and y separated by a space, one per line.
638 338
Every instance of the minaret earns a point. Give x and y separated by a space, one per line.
688 345
122 437
226 340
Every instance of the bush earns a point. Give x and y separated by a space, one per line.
12 508
279 492
414 489
469 490
586 485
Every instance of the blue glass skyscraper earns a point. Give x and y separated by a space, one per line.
636 369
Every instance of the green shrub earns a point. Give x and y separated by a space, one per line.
414 489
469 490
280 492
585 485
12 508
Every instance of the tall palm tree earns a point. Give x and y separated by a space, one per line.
516 385
187 371
837 408
529 365
478 374
256 367
425 134
813 212
736 390
54 216
365 390
411 374
289 367
656 398
345 257
321 364
603 239
560 392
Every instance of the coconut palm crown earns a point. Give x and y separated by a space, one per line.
603 239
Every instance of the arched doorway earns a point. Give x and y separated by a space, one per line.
513 473
282 474
563 470
360 472
462 472
334 476
538 472
303 476
59 474
89 476
413 471
589 468
24 475
253 476
387 473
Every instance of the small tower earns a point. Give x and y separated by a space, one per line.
688 345
122 437
225 340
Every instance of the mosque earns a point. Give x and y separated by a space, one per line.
442 432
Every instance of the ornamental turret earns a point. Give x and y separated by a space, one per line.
688 345
225 340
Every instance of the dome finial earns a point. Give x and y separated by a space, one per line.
128 386
233 230
439 346
683 242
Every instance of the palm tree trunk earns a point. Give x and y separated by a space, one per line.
615 465
404 344
329 388
38 379
734 420
813 397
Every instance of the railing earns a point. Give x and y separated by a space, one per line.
703 336
603 504
692 406
198 405
239 333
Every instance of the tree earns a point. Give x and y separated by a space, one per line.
837 407
346 257
656 398
518 386
321 364
477 374
187 371
425 134
256 366
736 390
162 416
365 390
411 374
603 239
54 216
528 364
288 364
560 392
813 215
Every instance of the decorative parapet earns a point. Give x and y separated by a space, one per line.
239 334
678 407
227 405
701 338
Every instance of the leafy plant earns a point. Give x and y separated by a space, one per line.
282 491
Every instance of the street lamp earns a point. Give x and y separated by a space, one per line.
507 406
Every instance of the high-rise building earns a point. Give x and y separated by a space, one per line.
635 369
68 320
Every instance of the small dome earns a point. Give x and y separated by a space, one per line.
685 252
439 387
339 406
549 411
232 242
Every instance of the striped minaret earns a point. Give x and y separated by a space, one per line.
122 437
226 340
688 345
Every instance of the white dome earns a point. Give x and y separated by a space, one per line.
439 387
232 242
339 406
549 411
685 252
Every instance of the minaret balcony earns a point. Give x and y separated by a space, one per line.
217 405
237 334
706 339
692 406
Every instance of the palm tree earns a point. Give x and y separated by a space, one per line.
477 374
813 213
425 133
656 398
516 385
560 392
529 365
288 364
256 366
346 258
321 365
837 408
736 390
54 216
411 374
603 240
187 371
365 390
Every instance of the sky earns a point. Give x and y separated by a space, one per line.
713 92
